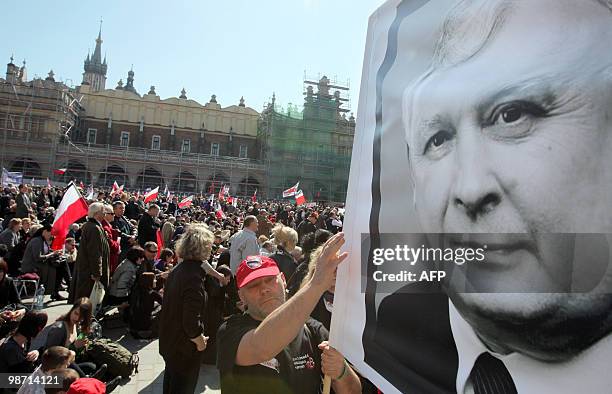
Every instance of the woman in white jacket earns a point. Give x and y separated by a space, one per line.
124 277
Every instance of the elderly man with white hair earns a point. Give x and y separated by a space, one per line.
92 263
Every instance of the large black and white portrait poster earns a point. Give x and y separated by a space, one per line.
480 199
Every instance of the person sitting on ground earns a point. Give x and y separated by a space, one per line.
8 292
150 253
55 357
14 260
67 331
15 354
124 277
10 318
145 304
166 260
10 235
74 231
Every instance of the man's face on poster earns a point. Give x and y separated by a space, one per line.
516 138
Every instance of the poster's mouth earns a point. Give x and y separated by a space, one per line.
498 249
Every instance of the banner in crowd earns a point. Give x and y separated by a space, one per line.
185 202
151 195
11 177
299 198
72 208
482 131
291 191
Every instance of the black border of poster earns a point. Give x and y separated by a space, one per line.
404 379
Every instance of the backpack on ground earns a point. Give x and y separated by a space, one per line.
120 361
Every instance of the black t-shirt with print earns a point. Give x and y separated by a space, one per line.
296 369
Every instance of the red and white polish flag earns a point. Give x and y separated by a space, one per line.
299 198
185 202
152 195
219 212
72 207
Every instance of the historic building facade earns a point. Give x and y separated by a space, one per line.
104 135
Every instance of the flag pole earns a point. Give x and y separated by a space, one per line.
326 384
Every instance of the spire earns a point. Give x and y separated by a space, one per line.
95 69
97 56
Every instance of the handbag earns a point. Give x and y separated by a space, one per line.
96 297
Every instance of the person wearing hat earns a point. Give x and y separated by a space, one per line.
87 386
275 346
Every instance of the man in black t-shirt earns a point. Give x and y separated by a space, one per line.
275 347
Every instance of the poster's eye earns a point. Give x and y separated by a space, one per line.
512 114
437 141
516 112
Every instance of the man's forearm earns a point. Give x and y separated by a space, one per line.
281 326
349 383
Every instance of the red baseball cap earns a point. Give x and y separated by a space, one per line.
254 267
87 386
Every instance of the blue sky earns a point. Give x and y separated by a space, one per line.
228 48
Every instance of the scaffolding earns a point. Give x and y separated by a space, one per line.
36 116
312 145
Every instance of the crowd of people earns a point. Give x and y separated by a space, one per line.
247 285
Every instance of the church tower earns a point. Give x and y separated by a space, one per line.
95 68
